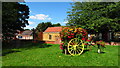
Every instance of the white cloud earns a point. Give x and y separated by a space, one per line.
30 22
29 27
40 17
49 18
65 22
30 11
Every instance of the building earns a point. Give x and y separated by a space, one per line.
52 35
25 35
39 36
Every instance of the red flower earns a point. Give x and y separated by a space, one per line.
61 39
72 33
68 32
83 38
88 40
61 46
100 40
84 34
61 35
85 44
72 36
69 36
66 27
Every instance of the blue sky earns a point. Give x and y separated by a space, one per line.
53 0
54 12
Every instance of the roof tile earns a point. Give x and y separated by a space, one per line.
53 29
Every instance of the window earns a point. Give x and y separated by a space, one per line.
19 36
50 36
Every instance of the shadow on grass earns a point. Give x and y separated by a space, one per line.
44 45
27 47
25 44
85 51
9 52
100 52
22 45
95 52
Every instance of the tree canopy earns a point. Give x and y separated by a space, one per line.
41 27
14 17
58 24
95 16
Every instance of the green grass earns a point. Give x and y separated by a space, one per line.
52 56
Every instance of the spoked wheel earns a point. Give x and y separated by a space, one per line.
75 46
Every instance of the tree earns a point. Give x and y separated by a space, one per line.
41 27
95 16
54 25
26 29
14 17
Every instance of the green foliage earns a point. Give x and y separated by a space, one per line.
54 25
95 16
14 17
41 27
27 29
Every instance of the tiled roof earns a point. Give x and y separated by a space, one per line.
27 32
53 29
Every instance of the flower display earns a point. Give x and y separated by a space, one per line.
102 43
71 36
61 46
68 33
83 39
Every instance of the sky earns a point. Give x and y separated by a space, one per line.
48 0
54 12
56 0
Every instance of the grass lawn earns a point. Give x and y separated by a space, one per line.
52 56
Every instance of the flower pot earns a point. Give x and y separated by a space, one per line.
99 51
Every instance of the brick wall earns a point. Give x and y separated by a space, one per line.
40 36
50 42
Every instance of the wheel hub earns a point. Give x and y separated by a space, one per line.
74 47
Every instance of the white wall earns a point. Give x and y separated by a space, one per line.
25 37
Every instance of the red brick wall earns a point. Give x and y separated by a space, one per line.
112 43
40 36
50 42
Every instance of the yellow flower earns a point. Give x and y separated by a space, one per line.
75 30
71 29
80 28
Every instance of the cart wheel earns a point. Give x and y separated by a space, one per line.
75 46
